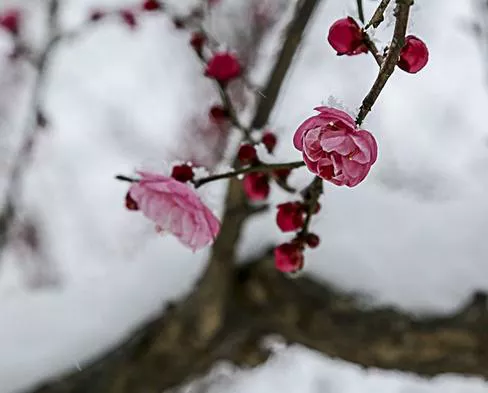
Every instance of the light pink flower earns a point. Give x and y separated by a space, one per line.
334 149
175 207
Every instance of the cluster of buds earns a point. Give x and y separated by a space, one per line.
257 184
128 15
348 38
292 217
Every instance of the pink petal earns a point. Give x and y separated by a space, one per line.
312 122
341 144
329 114
366 143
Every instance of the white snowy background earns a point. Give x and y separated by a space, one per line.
412 235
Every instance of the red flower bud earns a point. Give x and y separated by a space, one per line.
256 186
223 67
130 203
151 5
129 18
290 216
182 173
269 140
96 15
10 21
282 174
288 257
218 114
346 37
312 240
197 40
247 153
414 55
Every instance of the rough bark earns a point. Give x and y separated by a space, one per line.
168 352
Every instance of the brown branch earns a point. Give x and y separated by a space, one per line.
378 15
401 12
249 169
31 129
311 197
293 38
360 10
214 288
372 48
310 313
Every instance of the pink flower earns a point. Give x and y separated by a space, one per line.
414 55
175 207
223 67
288 257
10 21
346 37
334 149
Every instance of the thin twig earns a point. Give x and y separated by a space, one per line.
378 15
8 213
372 48
360 11
311 196
388 66
249 169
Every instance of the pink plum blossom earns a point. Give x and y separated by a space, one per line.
176 208
334 149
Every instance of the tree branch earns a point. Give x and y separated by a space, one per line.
249 169
378 15
31 128
293 38
388 66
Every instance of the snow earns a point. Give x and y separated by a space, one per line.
412 235
295 369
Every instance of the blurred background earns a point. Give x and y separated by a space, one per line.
80 271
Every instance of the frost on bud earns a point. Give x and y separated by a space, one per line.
312 240
269 140
247 154
288 257
256 186
151 5
218 114
10 21
129 18
290 216
182 173
414 55
96 15
223 67
346 37
197 40
130 203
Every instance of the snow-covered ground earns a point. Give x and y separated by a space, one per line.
412 235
